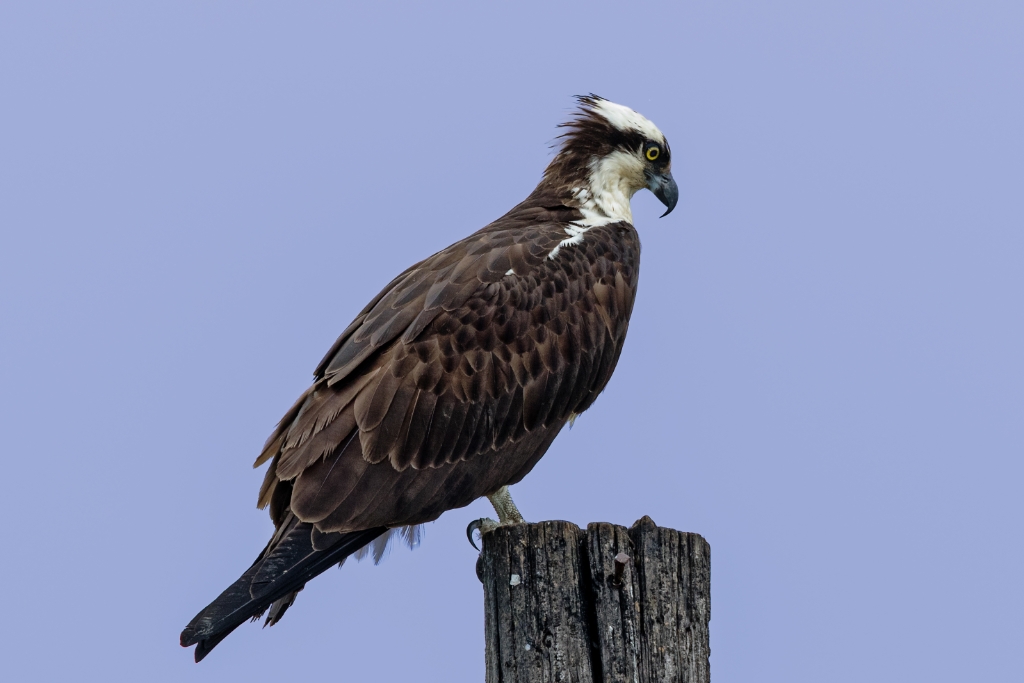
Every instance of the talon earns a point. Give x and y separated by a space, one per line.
483 525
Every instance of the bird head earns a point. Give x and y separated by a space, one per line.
607 154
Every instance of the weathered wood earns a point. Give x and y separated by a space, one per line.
536 631
610 604
652 625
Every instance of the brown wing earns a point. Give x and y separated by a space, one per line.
456 378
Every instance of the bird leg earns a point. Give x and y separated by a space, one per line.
507 511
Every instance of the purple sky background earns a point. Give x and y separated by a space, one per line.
824 374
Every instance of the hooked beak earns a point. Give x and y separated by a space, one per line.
664 187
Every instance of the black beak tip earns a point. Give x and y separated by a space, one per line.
666 190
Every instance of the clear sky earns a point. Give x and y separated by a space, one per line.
824 374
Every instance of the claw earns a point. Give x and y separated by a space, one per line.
483 525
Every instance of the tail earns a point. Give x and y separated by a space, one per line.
281 570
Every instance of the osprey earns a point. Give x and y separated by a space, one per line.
455 379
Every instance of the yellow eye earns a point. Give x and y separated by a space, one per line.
652 153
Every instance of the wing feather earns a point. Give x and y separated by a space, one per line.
325 484
381 441
466 432
373 403
411 447
294 462
445 453
453 383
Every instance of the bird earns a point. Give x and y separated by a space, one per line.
456 378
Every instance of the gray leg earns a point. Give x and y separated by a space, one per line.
507 511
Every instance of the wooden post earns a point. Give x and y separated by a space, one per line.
605 605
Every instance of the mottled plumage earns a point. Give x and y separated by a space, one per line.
456 378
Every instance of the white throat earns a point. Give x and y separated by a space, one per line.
612 183
605 198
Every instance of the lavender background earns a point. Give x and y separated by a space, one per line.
824 374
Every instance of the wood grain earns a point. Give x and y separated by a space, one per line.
557 609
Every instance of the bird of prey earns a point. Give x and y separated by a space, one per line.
455 379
